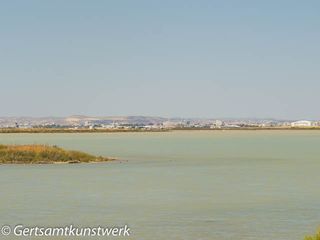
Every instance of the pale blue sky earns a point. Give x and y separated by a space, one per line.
163 58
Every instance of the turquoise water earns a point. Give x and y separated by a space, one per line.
174 185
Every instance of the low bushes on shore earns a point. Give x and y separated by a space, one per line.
35 154
315 237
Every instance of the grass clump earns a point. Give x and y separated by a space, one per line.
315 237
36 154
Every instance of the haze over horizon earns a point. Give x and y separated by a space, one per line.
154 117
203 59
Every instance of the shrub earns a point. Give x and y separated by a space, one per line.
43 154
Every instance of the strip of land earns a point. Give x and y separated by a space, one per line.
86 130
70 130
44 154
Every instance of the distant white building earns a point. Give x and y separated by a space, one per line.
316 124
302 123
216 124
169 124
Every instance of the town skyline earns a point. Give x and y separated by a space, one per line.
147 123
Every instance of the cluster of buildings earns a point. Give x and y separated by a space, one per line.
145 123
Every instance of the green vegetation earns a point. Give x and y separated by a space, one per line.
43 154
315 237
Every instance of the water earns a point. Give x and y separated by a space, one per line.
176 185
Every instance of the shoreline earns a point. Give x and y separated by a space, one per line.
59 163
58 130
65 130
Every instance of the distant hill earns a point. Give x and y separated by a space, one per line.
78 119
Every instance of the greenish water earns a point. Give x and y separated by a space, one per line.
176 185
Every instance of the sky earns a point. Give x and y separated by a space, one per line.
171 58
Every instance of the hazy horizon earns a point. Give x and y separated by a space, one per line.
165 117
203 59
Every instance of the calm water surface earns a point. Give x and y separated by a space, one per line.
176 185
